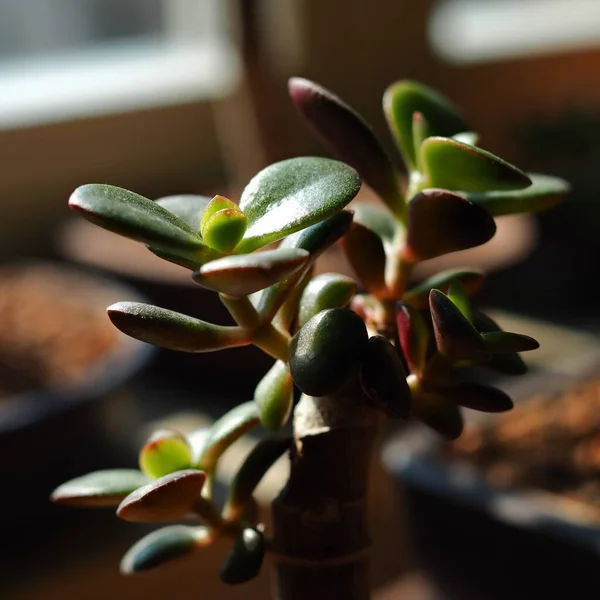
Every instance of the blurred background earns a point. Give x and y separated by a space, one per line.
189 96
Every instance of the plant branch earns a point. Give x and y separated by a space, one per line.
242 310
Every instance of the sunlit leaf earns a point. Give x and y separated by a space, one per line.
165 451
326 290
216 204
224 229
467 137
420 132
293 194
458 294
245 559
508 342
274 396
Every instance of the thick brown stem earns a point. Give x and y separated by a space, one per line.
320 524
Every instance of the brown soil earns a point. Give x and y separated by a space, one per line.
550 443
53 326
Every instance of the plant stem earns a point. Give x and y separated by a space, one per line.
242 310
273 341
320 529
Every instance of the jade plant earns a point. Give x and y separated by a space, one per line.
348 352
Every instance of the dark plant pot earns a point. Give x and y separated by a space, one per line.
480 542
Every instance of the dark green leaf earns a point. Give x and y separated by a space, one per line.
99 489
383 379
139 218
402 99
418 296
456 166
478 396
458 294
440 222
293 194
413 335
188 207
162 546
274 396
168 498
225 431
172 330
165 451
245 559
244 274
439 413
349 138
376 219
261 458
192 265
326 290
507 342
327 350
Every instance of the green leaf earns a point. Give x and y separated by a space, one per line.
225 431
544 193
224 229
244 274
413 336
366 255
192 265
245 559
458 294
315 240
287 314
261 458
507 342
455 337
383 378
168 498
165 451
377 220
439 413
163 546
420 132
172 330
327 350
100 489
188 207
326 290
403 98
216 204
138 218
456 166
293 194
274 396
440 222
467 137
349 138
418 296
478 396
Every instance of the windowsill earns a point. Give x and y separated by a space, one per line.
114 79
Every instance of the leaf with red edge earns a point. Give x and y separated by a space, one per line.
413 335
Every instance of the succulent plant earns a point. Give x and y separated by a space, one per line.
356 350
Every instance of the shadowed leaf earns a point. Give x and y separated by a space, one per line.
377 219
192 265
172 330
477 396
225 431
244 274
383 379
348 137
420 132
507 342
188 207
288 313
293 194
100 489
456 166
162 546
326 290
439 413
138 218
168 498
440 222
274 396
245 559
327 350
403 98
455 337
413 335
165 451
261 458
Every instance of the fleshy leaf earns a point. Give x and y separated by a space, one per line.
293 194
544 193
326 290
413 335
162 546
365 253
216 204
165 451
287 314
131 215
439 413
224 229
260 459
245 559
478 396
100 489
349 138
420 132
327 350
455 337
377 219
403 98
507 342
458 294
188 207
192 265
225 431
315 240
274 396
383 379
418 296
168 498
467 137
172 330
243 274
456 166
440 222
